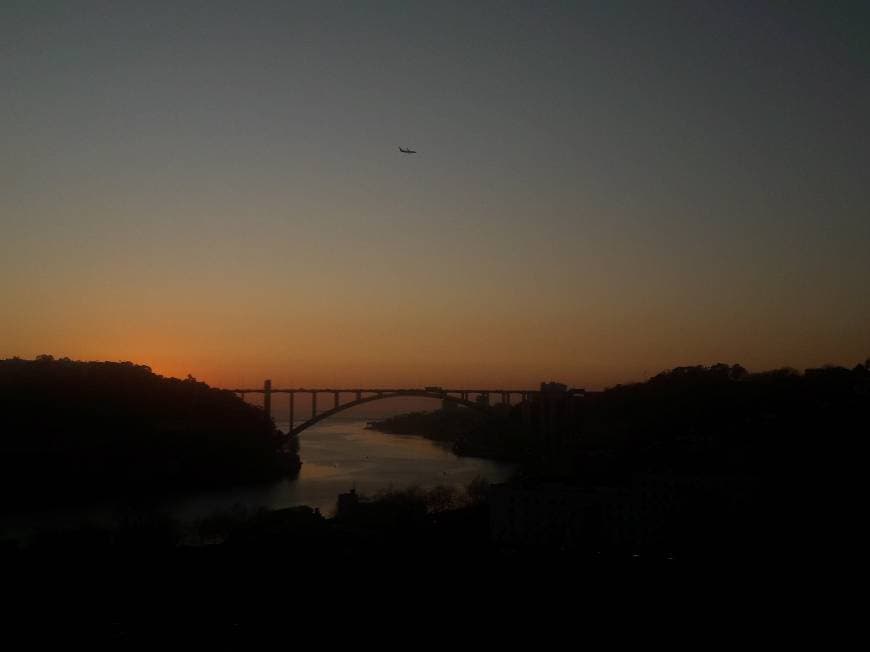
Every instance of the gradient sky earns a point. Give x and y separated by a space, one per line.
603 189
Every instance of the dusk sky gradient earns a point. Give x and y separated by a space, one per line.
603 190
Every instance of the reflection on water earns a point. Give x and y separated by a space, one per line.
338 455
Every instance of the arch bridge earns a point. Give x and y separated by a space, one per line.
345 399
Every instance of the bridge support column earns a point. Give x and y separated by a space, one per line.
527 409
313 404
335 400
267 398
359 396
290 428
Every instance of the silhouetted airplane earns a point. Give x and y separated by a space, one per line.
407 151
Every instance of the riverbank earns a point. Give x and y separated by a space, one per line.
360 522
338 455
467 433
441 525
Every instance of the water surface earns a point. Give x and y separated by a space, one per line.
338 455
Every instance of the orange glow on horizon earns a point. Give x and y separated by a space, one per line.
589 215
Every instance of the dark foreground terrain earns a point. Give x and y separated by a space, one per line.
698 467
72 432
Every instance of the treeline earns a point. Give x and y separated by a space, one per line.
699 419
467 432
73 431
413 519
721 419
444 425
708 462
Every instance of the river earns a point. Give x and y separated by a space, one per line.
337 455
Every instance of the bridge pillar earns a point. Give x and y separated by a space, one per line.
267 398
335 400
527 409
359 396
313 404
292 396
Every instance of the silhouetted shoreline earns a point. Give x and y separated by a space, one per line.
466 433
683 466
75 432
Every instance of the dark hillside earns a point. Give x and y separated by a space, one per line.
78 430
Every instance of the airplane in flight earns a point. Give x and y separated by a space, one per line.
407 151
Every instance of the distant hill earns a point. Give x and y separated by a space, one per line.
72 431
724 419
709 420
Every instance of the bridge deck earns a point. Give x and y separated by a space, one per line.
363 395
327 390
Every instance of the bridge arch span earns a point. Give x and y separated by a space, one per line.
294 431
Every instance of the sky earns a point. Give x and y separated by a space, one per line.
603 190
